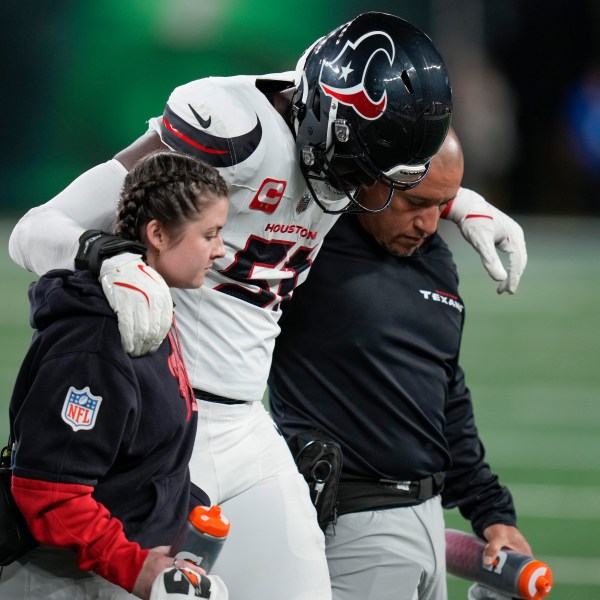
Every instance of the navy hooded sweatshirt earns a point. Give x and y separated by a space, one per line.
103 440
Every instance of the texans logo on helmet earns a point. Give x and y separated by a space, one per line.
341 81
215 150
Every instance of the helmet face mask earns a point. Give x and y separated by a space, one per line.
373 103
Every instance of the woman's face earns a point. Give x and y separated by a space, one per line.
184 261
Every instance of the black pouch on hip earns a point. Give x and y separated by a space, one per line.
319 460
15 537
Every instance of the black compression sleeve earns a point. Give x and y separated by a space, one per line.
96 245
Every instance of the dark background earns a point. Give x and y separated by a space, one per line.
79 79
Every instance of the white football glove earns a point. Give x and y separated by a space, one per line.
486 228
180 583
141 300
481 592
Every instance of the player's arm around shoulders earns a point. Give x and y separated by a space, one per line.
47 236
144 145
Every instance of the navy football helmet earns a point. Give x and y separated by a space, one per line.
373 103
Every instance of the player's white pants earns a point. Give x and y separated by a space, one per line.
391 554
46 573
275 549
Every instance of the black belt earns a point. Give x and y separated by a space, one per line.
357 494
208 397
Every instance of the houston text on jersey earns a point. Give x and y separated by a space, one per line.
303 232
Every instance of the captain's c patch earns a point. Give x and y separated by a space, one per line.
80 408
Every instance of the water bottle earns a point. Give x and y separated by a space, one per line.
512 573
202 537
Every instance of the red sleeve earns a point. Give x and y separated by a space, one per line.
66 515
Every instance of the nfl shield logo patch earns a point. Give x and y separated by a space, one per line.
80 408
303 203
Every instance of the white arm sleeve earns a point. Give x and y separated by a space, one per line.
47 237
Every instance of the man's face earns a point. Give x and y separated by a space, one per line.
413 215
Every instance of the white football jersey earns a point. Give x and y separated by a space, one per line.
274 231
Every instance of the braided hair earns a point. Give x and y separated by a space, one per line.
170 187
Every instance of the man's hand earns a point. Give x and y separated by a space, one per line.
486 228
503 536
141 300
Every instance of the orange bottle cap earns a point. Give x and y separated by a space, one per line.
210 520
535 581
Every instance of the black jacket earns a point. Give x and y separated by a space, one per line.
369 353
86 413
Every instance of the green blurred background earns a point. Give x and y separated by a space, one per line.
79 80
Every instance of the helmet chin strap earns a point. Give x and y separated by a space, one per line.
316 165
354 206
319 162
